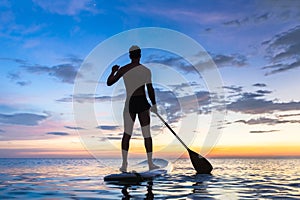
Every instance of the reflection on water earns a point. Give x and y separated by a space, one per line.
83 179
148 196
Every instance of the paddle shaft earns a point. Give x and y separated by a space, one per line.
167 125
201 165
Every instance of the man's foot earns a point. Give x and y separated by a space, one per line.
123 168
152 167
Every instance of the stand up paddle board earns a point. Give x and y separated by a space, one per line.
141 172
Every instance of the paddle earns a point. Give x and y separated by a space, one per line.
201 164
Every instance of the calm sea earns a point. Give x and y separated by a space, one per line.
83 179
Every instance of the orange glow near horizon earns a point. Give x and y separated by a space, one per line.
255 151
216 152
74 148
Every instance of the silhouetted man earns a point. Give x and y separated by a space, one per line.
136 76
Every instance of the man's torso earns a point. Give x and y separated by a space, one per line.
135 77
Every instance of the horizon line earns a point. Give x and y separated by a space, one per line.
208 157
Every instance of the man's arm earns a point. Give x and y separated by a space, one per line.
151 94
114 76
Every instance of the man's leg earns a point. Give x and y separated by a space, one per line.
125 147
129 119
144 118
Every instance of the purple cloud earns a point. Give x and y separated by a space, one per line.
26 119
58 133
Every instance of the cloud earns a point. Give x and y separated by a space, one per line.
263 91
113 138
68 7
269 131
201 60
277 68
232 22
280 10
58 133
232 60
74 128
135 136
259 85
208 30
236 22
283 51
16 77
265 12
23 83
250 19
174 104
263 17
10 28
251 95
256 102
82 98
168 102
176 107
108 127
26 119
268 121
234 89
117 136
65 73
13 76
250 104
156 127
72 59
289 115
2 131
16 60
171 60
182 86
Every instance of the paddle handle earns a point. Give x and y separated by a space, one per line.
167 125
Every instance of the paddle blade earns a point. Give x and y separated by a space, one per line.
201 165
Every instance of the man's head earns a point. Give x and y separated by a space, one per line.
134 52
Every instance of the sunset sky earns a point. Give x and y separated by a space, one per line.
254 44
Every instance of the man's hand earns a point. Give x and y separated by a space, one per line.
115 68
114 77
153 109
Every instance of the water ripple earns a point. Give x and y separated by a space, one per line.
83 179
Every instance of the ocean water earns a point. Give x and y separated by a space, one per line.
51 179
